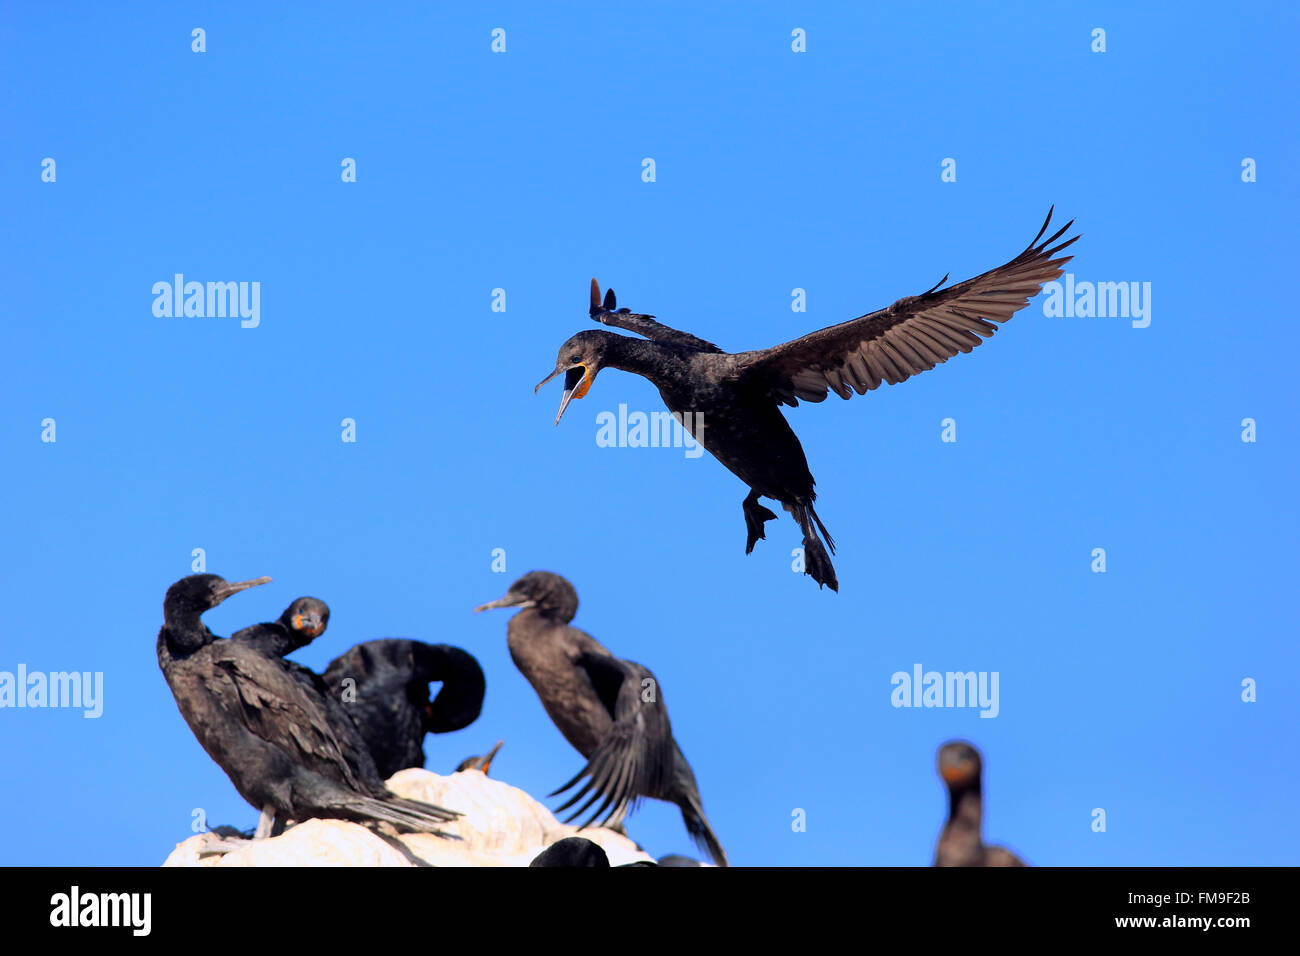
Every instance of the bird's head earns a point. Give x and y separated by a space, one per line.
482 764
580 361
549 593
307 617
959 763
202 592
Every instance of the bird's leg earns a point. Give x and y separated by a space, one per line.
265 823
816 561
755 515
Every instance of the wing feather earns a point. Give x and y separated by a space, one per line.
912 335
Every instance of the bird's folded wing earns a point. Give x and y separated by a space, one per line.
635 757
912 335
279 709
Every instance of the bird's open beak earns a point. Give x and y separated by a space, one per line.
309 624
487 762
577 382
234 587
510 600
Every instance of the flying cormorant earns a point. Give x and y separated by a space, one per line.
385 687
264 726
730 402
612 711
481 764
961 842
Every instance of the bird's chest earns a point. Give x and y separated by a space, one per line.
565 692
748 434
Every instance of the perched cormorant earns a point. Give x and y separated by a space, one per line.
385 685
480 764
264 726
730 402
961 842
612 711
302 622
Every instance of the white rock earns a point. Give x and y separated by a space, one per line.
501 826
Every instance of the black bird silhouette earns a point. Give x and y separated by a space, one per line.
612 711
961 842
264 726
730 402
385 686
481 764
579 852
572 852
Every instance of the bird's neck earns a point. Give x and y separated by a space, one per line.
278 639
966 806
186 635
652 360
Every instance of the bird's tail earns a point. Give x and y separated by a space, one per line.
830 542
816 561
697 825
407 815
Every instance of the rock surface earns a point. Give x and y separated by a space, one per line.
502 826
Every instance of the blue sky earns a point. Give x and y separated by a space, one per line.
775 170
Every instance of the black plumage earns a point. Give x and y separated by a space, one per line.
572 852
731 402
304 620
612 711
385 687
266 728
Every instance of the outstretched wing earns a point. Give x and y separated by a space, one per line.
608 313
912 335
635 758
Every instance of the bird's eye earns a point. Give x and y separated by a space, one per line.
574 359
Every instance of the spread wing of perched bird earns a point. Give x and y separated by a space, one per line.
611 710
637 754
